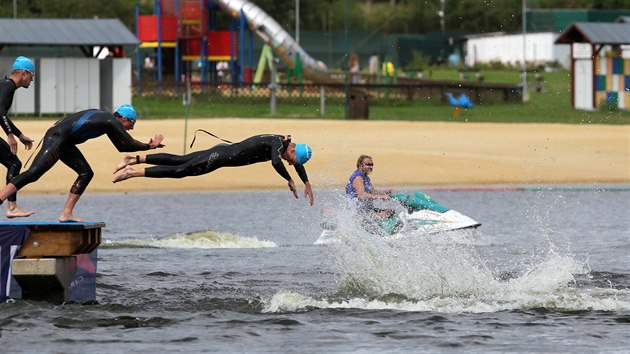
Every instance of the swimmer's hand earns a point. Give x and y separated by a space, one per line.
156 142
28 142
308 192
12 143
292 188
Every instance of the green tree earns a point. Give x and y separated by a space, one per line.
401 16
122 9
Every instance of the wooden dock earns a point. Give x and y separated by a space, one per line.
57 262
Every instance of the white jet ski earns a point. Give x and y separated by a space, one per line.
422 216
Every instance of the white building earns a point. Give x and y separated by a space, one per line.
70 76
508 49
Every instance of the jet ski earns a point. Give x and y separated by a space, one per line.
421 215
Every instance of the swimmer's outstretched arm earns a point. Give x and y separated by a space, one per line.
154 143
308 192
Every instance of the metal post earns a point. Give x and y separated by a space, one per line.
345 58
186 102
203 55
138 58
232 53
525 93
14 8
272 85
297 21
241 44
251 55
159 40
441 14
178 63
322 100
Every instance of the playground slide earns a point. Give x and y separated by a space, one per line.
283 45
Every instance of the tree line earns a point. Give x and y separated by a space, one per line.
386 16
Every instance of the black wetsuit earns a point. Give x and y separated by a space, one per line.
259 148
60 144
7 158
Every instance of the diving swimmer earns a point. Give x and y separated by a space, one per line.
60 143
259 148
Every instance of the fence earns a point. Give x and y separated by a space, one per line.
405 90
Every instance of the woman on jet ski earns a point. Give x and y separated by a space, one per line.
361 191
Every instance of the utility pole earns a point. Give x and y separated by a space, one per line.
441 14
14 8
344 65
297 21
525 93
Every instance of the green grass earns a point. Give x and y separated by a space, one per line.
159 108
553 105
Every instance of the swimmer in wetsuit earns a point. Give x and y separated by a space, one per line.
60 142
22 74
259 148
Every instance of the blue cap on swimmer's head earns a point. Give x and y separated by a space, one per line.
127 111
303 153
23 63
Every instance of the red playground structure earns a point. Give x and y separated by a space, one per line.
180 41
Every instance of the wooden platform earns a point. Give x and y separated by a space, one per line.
58 239
57 262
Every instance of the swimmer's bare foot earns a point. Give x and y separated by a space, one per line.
16 212
126 173
128 160
70 218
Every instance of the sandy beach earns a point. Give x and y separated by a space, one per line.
405 154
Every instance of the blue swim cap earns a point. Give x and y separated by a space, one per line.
303 153
23 63
127 111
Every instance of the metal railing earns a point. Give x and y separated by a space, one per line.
427 90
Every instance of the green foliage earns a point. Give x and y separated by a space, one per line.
483 16
122 9
578 4
390 19
406 16
418 62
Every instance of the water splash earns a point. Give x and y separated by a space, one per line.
199 239
570 300
414 267
434 273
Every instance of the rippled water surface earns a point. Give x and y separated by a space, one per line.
548 271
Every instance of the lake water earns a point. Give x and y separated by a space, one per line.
548 271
